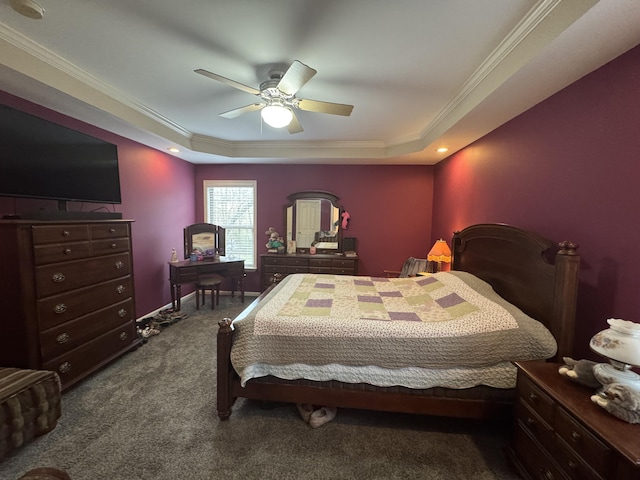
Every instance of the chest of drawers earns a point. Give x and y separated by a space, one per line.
67 292
283 265
560 434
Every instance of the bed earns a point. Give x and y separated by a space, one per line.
530 275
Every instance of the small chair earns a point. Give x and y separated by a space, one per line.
212 283
411 267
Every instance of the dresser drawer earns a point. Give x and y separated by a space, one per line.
325 270
271 269
532 423
109 230
538 401
319 262
298 269
271 261
574 466
582 442
62 338
61 308
534 458
343 263
62 277
59 233
114 245
342 270
61 252
76 363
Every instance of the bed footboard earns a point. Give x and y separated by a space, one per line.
225 373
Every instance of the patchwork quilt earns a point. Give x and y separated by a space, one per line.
443 320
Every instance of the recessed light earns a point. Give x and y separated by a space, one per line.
442 150
174 149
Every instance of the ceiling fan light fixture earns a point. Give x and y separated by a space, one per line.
276 115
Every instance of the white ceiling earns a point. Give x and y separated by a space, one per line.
420 73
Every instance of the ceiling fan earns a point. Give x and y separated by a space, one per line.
278 95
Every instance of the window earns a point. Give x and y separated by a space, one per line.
232 205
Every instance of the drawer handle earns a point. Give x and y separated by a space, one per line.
533 397
530 422
64 367
114 245
575 436
120 289
58 277
572 465
119 264
122 313
60 308
123 336
65 233
112 230
67 251
62 338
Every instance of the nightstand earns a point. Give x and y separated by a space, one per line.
560 433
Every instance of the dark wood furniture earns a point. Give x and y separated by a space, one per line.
527 270
191 272
272 264
560 433
67 293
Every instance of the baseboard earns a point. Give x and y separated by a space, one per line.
191 295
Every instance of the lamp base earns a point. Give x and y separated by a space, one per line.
621 373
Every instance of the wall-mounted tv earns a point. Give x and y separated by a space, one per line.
41 159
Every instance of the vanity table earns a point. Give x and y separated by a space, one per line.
277 264
190 272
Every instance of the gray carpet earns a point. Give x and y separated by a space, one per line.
151 415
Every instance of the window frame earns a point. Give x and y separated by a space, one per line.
253 184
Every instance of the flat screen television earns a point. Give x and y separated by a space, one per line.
41 159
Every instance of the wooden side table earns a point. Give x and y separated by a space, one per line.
560 433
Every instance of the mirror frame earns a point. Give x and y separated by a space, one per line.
218 247
313 195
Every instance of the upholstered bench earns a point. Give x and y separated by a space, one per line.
30 405
210 282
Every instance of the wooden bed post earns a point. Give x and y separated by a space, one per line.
566 294
225 398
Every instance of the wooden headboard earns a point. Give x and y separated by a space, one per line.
533 273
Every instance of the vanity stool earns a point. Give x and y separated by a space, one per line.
209 283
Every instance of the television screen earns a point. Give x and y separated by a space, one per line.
41 159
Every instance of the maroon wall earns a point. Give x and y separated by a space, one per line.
157 192
568 169
390 206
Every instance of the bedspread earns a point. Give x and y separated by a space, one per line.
439 321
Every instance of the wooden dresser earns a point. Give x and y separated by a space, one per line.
559 433
67 295
285 264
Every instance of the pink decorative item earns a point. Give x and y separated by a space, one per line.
345 220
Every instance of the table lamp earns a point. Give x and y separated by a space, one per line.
440 252
620 344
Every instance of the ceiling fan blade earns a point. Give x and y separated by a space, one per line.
325 107
294 125
227 81
295 77
239 111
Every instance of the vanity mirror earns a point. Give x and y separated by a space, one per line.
205 239
313 219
